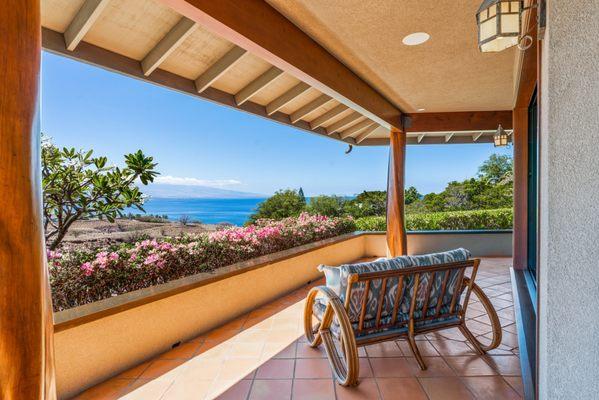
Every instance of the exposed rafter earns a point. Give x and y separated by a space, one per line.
257 85
218 69
167 45
54 42
356 128
286 98
308 108
265 32
344 122
83 21
327 116
366 133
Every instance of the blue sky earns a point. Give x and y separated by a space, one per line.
197 142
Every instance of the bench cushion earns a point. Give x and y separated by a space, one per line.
452 282
369 324
358 288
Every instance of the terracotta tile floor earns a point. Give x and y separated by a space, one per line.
263 355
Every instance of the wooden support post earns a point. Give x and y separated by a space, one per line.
26 347
396 227
520 142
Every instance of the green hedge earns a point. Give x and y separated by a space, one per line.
441 221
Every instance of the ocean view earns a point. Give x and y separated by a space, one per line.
208 211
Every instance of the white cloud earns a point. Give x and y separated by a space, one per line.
176 180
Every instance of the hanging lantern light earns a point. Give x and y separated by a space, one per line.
499 24
500 138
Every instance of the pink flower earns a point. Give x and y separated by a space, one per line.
87 268
113 256
152 259
53 255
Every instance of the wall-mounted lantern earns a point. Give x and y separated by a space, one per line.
498 24
500 138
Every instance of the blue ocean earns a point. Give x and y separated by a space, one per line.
208 211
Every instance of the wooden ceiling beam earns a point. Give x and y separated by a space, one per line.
259 28
310 107
83 21
286 98
219 68
53 42
257 85
327 116
167 45
458 121
366 133
356 128
344 122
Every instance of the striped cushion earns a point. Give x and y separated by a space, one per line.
358 288
435 259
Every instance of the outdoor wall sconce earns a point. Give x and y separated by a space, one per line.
500 138
499 23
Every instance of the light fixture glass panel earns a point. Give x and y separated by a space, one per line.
510 23
493 10
505 7
499 44
515 6
488 29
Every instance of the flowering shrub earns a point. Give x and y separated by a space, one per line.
82 277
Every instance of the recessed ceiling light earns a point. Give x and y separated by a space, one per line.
416 38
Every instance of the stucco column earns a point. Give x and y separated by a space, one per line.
568 284
396 227
26 362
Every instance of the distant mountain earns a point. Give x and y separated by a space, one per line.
164 191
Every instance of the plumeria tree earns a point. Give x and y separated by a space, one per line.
77 185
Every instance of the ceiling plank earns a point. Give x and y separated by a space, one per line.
219 68
308 108
356 128
167 45
257 85
458 121
366 133
344 122
83 21
286 98
259 28
327 116
53 42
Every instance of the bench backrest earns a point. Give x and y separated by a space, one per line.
380 299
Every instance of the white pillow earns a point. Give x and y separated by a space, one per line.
332 276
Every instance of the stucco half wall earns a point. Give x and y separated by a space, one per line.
100 340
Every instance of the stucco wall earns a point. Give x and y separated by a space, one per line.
569 232
489 244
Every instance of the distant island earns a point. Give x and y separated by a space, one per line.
168 191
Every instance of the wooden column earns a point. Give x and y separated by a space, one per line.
396 227
26 361
520 142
